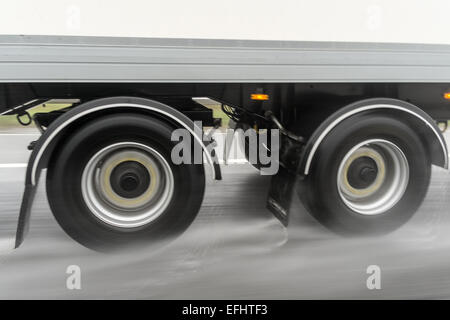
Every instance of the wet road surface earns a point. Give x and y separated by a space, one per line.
234 250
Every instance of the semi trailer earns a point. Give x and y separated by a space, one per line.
358 124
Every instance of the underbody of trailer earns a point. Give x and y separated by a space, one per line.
358 127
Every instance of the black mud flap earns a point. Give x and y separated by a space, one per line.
24 216
280 194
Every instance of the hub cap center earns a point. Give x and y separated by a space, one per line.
129 182
130 179
362 172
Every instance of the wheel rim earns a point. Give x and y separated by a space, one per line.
127 184
373 176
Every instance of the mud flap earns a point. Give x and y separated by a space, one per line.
280 194
24 216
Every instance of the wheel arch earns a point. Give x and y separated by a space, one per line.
430 132
54 136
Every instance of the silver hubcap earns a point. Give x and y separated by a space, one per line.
127 184
373 176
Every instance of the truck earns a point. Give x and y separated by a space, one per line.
360 106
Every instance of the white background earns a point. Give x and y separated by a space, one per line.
414 21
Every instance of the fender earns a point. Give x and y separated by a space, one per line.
47 142
433 133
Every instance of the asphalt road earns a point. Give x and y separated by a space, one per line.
235 249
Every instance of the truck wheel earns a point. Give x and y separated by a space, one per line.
112 184
370 175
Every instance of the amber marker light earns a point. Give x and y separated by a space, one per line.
259 96
447 95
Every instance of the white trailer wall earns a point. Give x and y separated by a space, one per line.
410 21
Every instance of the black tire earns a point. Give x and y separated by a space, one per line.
320 191
65 194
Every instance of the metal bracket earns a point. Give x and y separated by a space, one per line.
19 118
270 116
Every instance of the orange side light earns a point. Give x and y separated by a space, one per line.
261 96
447 95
